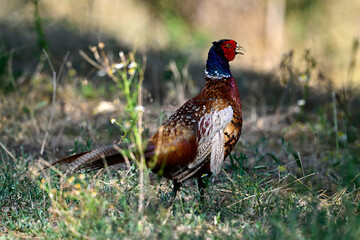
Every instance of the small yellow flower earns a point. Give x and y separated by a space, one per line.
342 136
303 78
72 72
82 176
101 45
42 183
132 68
53 191
111 72
281 168
93 193
113 120
71 179
78 186
131 71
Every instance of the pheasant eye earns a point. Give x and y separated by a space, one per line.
228 45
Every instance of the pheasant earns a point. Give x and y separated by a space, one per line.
196 139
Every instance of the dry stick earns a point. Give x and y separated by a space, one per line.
302 167
168 213
89 60
301 182
39 66
139 126
55 80
335 123
7 151
358 175
52 103
62 65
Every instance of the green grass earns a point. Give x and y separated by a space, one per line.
240 205
258 195
24 206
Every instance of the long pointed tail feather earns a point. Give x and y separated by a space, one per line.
93 159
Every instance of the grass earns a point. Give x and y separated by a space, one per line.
242 204
297 179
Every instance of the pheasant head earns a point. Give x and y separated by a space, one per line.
220 54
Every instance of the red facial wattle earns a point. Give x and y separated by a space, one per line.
229 50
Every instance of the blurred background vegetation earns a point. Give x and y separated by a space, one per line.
266 28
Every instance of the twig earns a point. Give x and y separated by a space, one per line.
301 182
358 175
42 165
168 213
139 126
335 123
89 60
55 80
302 167
62 65
7 151
52 103
48 59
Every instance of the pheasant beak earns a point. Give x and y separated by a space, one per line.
239 50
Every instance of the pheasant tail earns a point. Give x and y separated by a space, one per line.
94 159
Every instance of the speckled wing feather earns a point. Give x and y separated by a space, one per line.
174 144
211 139
211 142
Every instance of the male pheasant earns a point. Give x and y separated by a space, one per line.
197 138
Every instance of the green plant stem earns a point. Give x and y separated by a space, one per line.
335 124
42 42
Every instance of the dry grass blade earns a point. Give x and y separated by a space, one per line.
89 60
53 99
7 151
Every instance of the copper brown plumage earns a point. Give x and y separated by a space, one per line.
197 138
